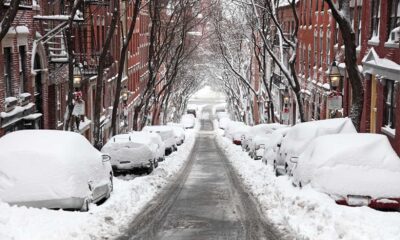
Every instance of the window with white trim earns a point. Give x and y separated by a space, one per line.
394 15
328 46
7 52
390 105
375 16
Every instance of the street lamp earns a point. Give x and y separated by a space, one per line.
335 78
124 94
77 76
286 96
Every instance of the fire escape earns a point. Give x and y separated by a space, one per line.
86 51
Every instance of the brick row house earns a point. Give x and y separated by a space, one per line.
377 35
34 79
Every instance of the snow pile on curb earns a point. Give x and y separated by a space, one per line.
101 222
306 213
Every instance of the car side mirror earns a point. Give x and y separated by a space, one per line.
294 160
106 157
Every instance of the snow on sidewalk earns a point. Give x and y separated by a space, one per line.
102 222
306 213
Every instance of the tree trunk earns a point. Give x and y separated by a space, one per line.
122 65
99 81
355 76
71 60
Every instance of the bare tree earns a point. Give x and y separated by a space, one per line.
7 15
342 17
269 10
124 49
169 47
73 8
100 72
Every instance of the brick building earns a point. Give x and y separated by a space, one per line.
34 80
377 34
23 74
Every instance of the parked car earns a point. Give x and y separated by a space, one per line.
257 146
235 131
188 120
179 132
272 145
300 135
127 155
167 135
354 169
261 130
223 122
152 140
53 169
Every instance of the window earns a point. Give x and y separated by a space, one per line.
394 15
58 104
310 13
375 15
7 71
309 61
336 34
22 69
328 47
315 49
359 22
390 104
321 39
322 6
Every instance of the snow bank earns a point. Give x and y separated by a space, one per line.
101 222
307 213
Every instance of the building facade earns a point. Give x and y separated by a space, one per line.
376 25
34 79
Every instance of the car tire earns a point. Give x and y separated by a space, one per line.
300 184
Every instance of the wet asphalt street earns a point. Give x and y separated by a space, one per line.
207 201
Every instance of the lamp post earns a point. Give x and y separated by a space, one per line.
125 94
334 102
285 110
335 78
77 76
286 96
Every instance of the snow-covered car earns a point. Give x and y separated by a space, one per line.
300 135
354 169
235 131
257 147
167 135
179 133
152 140
272 145
223 122
261 130
188 120
52 169
127 155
